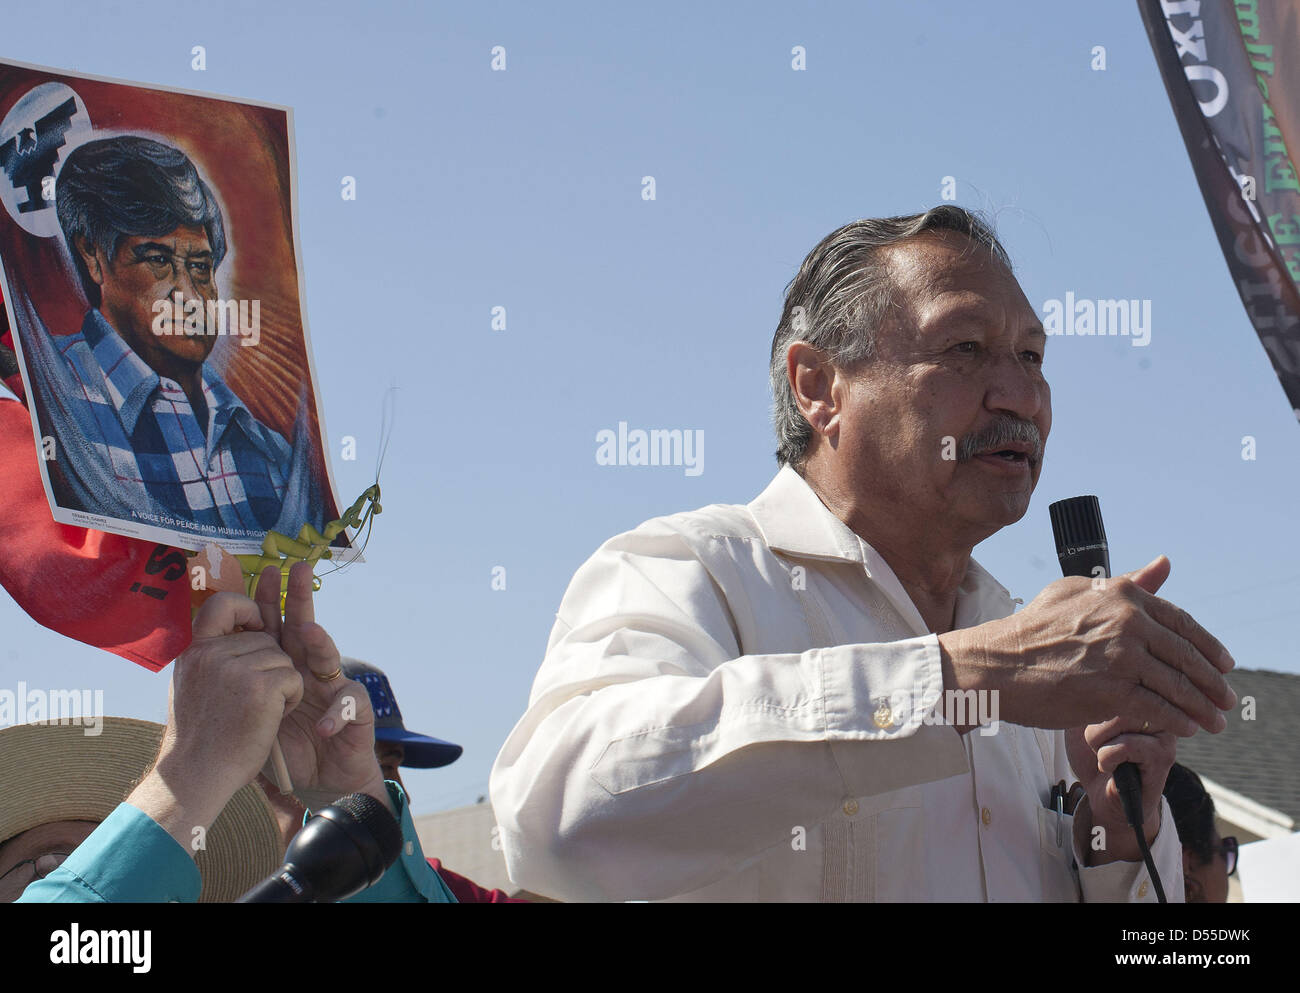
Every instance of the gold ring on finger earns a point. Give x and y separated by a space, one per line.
333 675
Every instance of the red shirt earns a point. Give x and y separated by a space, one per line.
467 891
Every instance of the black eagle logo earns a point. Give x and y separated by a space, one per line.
29 156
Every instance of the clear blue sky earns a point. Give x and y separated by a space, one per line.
522 189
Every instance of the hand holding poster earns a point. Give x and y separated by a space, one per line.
147 255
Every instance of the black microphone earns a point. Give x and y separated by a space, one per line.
340 851
1081 547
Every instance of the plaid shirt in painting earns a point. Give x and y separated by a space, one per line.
231 475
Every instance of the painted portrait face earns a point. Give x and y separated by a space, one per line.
149 269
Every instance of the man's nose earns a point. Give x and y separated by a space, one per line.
1016 387
184 284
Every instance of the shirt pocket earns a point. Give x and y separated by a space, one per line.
1060 882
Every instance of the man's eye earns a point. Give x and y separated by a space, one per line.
1035 357
967 347
156 259
201 269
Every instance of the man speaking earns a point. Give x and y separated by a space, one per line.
756 702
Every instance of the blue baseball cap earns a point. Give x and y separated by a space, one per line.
421 751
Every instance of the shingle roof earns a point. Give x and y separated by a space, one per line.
1258 758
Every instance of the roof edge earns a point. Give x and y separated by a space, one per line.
1255 817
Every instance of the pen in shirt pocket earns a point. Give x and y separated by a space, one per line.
1057 802
1064 801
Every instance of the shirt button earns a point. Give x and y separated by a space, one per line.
986 816
1142 890
850 807
410 848
883 717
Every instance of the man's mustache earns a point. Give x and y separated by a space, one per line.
999 434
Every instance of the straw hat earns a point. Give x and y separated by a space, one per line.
52 772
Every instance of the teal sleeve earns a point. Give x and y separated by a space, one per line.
127 859
410 879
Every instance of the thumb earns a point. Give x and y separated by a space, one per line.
350 706
1082 759
226 613
1151 576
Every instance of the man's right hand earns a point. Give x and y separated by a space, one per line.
230 690
1078 655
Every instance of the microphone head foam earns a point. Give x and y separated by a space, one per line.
372 815
1080 536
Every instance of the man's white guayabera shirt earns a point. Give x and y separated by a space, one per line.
723 714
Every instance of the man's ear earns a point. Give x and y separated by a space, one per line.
90 256
814 383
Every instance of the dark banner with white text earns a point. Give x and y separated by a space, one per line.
1232 71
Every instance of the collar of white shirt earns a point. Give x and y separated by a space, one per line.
794 521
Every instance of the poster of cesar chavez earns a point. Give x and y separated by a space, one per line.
148 244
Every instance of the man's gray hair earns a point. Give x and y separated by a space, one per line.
842 296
